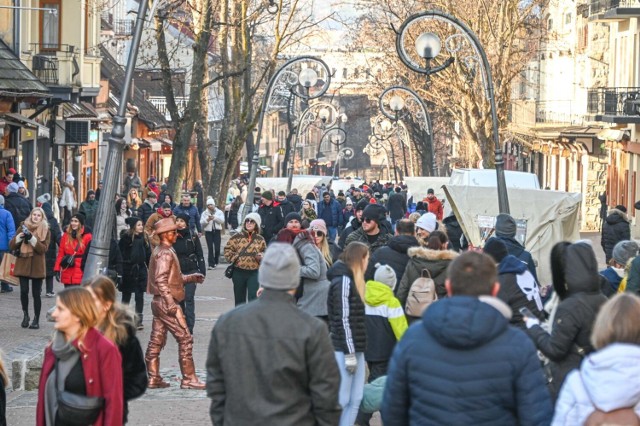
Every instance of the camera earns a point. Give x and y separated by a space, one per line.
25 231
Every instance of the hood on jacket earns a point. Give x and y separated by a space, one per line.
429 254
339 269
464 322
512 265
48 211
616 216
451 222
402 243
605 375
581 269
377 293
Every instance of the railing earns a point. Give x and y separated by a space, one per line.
615 101
161 105
46 68
123 27
599 6
530 113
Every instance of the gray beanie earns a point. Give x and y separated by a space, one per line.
624 250
280 268
1 201
505 225
385 275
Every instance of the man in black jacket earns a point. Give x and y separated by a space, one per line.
397 206
375 231
286 205
298 386
615 229
16 204
295 199
271 215
394 253
354 224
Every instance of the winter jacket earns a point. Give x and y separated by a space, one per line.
603 382
147 209
313 270
18 206
289 373
150 188
102 367
420 258
393 254
132 182
134 369
287 207
359 235
189 252
136 253
217 221
32 266
330 212
347 214
7 229
68 198
238 243
353 225
435 206
296 200
518 289
574 317
384 320
396 206
194 216
346 311
454 232
272 220
514 248
614 277
54 243
463 365
121 223
72 275
615 229
90 209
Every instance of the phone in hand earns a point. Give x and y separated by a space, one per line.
526 312
24 229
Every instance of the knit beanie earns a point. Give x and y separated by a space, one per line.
496 249
80 216
292 216
132 221
211 202
375 212
12 187
362 204
428 222
624 250
318 225
505 225
385 275
280 267
254 217
44 198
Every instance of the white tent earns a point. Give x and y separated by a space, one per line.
344 184
418 186
551 217
303 184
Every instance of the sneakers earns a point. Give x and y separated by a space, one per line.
51 294
212 267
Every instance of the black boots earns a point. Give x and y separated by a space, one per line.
35 324
25 320
139 324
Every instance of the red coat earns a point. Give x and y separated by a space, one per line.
435 206
102 366
71 275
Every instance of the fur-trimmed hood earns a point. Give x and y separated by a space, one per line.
430 254
615 216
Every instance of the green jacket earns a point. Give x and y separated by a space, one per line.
380 301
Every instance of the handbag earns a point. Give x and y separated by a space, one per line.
77 410
229 271
68 260
6 269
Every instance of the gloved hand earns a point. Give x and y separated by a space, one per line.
57 275
351 363
530 322
19 237
33 241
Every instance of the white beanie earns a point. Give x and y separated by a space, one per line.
427 222
385 275
254 217
69 178
44 198
210 201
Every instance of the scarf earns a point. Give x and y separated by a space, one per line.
39 230
309 213
67 356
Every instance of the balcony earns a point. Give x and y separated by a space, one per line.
613 10
45 67
531 113
615 104
123 27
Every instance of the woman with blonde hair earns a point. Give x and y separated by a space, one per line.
119 326
347 326
607 379
133 201
3 395
31 242
328 248
81 361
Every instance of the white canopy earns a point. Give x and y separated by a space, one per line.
344 184
302 183
418 186
551 217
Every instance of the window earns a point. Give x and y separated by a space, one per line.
50 24
344 73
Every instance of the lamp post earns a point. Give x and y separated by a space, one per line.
428 46
326 114
336 136
98 257
290 78
382 131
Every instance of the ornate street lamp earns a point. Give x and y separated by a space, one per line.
428 46
324 113
383 130
296 77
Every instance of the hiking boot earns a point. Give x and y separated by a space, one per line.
25 320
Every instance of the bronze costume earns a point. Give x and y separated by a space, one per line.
166 283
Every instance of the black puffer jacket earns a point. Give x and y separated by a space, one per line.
455 234
393 254
574 317
272 220
135 254
355 225
189 251
18 206
616 228
348 334
56 234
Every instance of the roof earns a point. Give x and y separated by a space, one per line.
78 110
16 80
111 70
150 81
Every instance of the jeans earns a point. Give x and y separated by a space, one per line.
49 284
213 240
36 289
245 285
139 298
351 389
333 232
188 305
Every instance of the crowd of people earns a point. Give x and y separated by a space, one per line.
362 303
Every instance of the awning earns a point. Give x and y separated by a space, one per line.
165 141
611 134
580 132
155 144
17 120
71 110
16 79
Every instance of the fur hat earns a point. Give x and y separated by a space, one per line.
427 222
254 217
164 225
385 275
280 267
505 225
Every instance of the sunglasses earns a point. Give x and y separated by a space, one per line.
368 220
249 221
318 233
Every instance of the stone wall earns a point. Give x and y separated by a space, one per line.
596 185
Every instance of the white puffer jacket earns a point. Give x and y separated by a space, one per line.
217 221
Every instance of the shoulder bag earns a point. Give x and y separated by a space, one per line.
77 410
68 260
229 271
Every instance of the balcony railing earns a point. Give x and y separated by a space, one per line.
123 27
530 113
614 101
46 67
601 6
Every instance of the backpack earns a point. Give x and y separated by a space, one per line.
422 293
